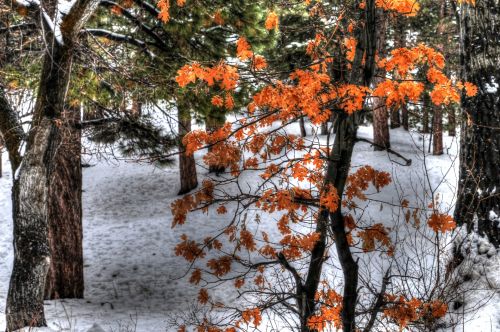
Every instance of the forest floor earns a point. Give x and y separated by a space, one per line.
134 281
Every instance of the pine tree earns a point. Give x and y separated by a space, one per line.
478 203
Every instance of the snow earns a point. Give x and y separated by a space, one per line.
134 282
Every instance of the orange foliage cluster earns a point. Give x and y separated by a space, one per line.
225 75
350 45
405 7
252 316
405 60
404 312
220 266
295 245
313 46
377 233
271 200
182 206
311 95
244 52
164 6
329 312
441 222
398 93
243 49
361 179
272 21
329 198
189 249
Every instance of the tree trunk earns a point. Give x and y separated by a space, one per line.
302 124
437 132
426 103
437 118
187 164
399 42
337 172
213 123
381 136
478 203
31 245
395 119
65 277
324 128
11 131
32 257
404 117
452 123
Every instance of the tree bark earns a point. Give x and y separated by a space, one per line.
32 256
452 123
426 104
437 132
399 42
65 277
187 164
324 128
404 117
381 136
437 118
478 203
31 245
302 124
11 131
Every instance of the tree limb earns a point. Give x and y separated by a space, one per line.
159 43
407 161
11 131
119 38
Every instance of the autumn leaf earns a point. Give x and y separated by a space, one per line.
272 21
440 222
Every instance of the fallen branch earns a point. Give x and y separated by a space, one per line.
407 161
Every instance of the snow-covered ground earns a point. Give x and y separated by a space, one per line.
134 282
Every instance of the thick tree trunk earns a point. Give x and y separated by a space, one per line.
31 186
30 200
31 245
478 201
187 164
437 132
381 136
65 277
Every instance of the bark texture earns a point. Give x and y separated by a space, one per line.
32 256
65 277
437 132
11 130
187 164
478 202
31 245
381 136
426 104
437 118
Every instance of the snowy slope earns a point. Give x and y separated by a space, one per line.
133 280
